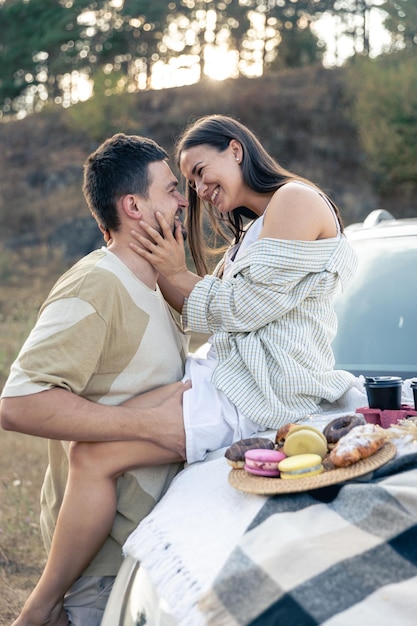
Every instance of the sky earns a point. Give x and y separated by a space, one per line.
327 27
221 64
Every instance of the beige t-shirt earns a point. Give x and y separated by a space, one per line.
105 336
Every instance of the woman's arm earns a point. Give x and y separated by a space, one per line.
171 294
267 285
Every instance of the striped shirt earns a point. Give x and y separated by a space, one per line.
273 323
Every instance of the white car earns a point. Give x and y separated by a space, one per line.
377 314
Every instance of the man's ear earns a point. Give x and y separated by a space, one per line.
106 234
129 205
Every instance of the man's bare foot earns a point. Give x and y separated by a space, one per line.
39 617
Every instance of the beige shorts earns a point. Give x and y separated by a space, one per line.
86 600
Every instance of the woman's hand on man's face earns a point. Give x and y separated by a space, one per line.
164 250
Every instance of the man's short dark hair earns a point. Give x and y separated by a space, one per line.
118 167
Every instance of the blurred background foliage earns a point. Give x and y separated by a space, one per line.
56 51
385 113
74 72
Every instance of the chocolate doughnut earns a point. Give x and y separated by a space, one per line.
235 455
340 426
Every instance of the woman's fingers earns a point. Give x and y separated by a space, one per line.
167 230
179 232
144 245
151 231
136 235
165 249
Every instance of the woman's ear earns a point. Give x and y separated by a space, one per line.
237 150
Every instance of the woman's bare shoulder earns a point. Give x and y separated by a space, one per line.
297 211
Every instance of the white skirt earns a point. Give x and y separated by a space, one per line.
211 420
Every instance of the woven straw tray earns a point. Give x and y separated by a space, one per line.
242 480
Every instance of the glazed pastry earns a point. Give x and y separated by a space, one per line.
339 427
235 454
305 439
360 443
263 462
300 466
282 433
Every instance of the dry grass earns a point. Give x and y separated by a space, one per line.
22 466
26 278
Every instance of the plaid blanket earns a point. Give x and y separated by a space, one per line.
340 555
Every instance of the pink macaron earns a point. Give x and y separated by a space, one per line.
263 462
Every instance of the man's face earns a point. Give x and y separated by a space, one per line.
163 195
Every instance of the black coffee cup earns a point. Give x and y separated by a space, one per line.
384 392
413 386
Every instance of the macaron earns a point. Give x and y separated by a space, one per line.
263 462
302 426
300 466
305 439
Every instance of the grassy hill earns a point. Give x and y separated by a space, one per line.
302 116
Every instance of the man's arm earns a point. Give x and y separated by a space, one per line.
60 414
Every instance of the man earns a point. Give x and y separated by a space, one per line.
104 335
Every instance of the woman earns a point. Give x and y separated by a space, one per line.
268 307
271 315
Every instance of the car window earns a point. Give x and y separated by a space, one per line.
377 314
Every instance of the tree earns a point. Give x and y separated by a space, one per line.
298 45
284 36
235 17
39 44
353 19
211 25
385 113
46 44
401 21
133 41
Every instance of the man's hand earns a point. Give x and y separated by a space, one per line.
166 424
170 414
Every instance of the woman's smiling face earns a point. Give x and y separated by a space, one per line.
216 176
